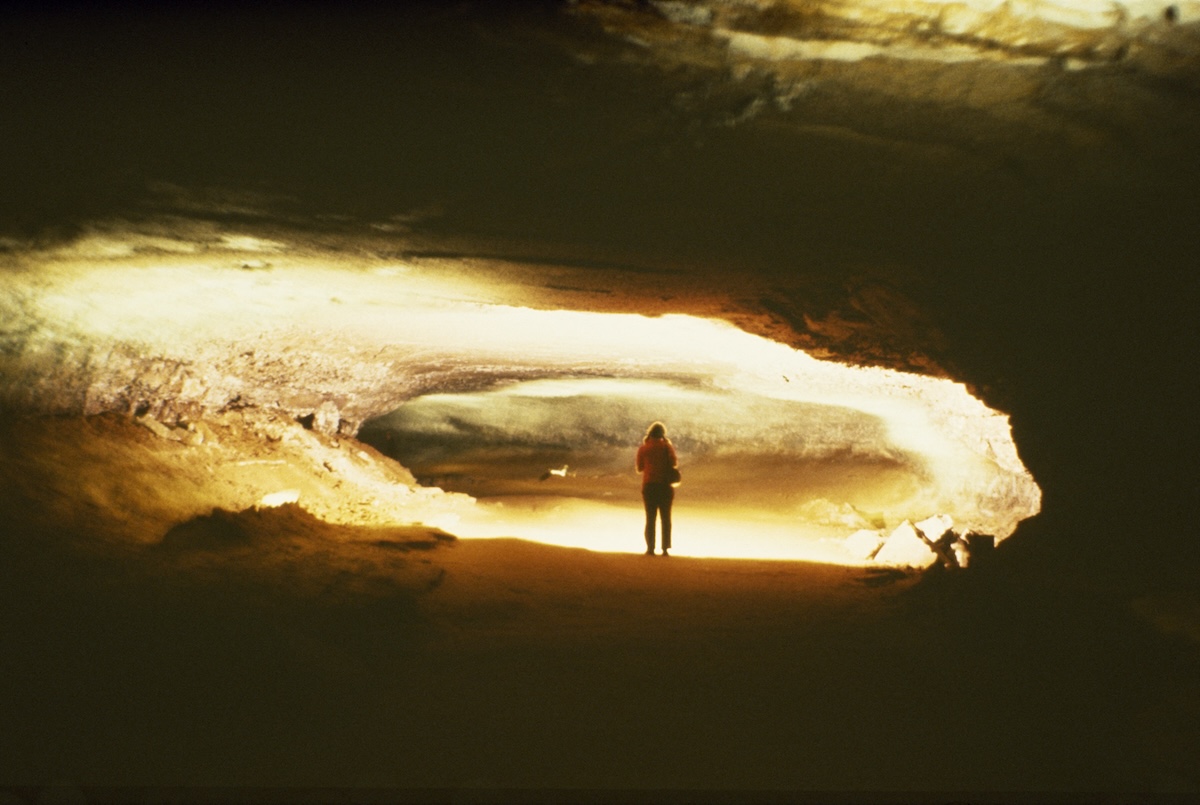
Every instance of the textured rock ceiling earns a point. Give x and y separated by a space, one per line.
823 174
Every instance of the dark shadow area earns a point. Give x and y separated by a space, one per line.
214 660
239 638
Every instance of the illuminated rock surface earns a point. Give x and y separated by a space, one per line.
330 340
904 548
1090 31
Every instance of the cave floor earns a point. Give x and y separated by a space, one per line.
274 651
522 666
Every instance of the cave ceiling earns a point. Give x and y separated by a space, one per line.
862 180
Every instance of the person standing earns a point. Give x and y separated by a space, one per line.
656 462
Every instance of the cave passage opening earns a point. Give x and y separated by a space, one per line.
784 456
553 459
535 411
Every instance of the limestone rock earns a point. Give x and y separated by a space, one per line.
863 544
934 527
158 429
326 418
905 548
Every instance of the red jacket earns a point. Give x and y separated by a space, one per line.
654 458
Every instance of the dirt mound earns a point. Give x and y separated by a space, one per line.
228 530
221 529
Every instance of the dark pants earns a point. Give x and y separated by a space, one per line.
658 499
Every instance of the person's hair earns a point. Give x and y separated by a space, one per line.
656 431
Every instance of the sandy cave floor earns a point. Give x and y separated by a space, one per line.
151 643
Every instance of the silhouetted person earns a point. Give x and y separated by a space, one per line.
656 462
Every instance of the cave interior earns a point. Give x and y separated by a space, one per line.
302 303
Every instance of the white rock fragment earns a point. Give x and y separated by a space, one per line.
279 498
326 418
905 548
863 544
934 527
189 437
154 426
962 553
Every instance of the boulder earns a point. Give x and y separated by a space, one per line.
863 544
934 527
905 548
